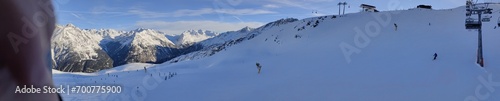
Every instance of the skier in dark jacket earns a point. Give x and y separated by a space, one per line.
395 27
258 67
435 56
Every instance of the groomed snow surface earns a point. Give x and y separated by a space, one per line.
387 64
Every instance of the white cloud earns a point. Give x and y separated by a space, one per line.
189 12
304 4
243 11
102 10
178 27
178 13
203 11
271 6
147 14
77 15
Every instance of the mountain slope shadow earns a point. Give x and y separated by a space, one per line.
164 54
117 51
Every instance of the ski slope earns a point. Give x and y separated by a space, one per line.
389 64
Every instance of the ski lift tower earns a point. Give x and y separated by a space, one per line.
342 3
476 24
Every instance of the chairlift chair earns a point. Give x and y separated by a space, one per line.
486 18
471 23
489 11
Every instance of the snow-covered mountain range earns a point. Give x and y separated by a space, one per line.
190 37
90 50
224 40
77 50
354 57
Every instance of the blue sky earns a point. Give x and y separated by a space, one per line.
176 16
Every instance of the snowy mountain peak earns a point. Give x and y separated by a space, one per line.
193 36
70 25
141 29
245 29
281 22
147 37
200 32
73 47
71 36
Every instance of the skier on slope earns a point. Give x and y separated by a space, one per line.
435 56
258 67
395 27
